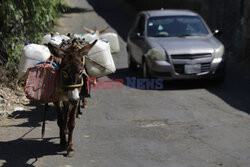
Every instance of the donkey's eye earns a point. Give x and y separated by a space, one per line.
81 72
80 76
65 74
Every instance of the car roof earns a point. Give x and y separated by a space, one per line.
169 12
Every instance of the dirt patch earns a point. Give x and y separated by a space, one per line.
12 97
146 123
8 78
11 100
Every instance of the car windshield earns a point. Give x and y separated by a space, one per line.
176 26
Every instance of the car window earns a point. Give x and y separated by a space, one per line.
135 23
141 24
176 26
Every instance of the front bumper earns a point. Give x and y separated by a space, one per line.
174 70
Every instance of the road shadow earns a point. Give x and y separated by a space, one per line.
18 152
125 76
114 14
21 151
123 73
234 90
34 116
69 10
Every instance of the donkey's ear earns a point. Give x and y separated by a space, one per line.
104 29
86 49
56 51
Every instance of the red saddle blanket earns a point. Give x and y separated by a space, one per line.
41 82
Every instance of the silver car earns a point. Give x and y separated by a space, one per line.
175 44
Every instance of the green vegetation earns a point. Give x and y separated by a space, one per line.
24 21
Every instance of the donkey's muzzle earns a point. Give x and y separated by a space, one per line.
74 94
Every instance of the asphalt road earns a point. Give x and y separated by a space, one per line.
186 124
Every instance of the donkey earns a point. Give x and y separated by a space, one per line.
71 81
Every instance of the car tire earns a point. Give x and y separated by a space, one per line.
145 70
218 80
131 63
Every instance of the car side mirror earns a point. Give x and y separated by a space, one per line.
136 35
217 32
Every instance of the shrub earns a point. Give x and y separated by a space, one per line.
24 21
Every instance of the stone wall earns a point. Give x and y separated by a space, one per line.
226 15
194 5
246 30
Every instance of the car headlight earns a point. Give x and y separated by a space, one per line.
157 54
219 52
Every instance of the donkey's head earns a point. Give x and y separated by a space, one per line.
71 67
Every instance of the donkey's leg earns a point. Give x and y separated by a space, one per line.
60 123
66 117
84 101
71 126
79 112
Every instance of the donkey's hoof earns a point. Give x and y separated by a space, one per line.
84 106
70 153
79 115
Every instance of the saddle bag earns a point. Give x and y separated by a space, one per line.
31 55
113 41
99 61
41 81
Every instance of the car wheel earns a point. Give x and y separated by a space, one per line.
220 75
145 71
218 80
131 64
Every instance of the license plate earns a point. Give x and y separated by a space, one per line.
192 69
